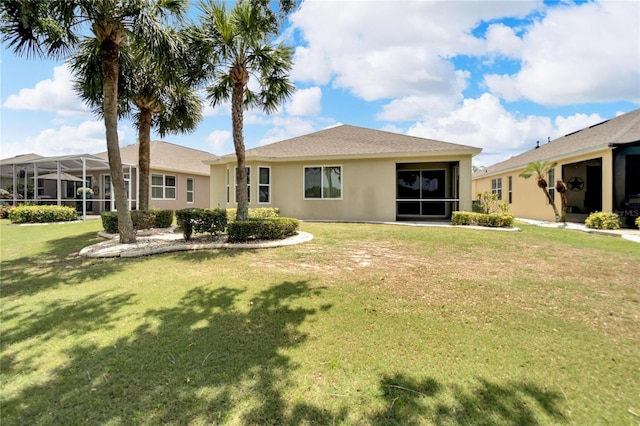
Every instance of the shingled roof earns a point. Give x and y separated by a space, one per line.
620 130
347 141
169 157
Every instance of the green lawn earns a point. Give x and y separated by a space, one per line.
364 325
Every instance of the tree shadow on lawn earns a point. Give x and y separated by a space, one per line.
212 358
411 401
56 264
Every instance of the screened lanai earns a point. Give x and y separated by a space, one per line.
79 181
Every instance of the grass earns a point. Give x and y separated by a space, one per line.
366 324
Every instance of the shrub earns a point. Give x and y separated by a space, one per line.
257 213
110 222
273 228
42 214
488 202
603 220
638 222
143 219
164 218
212 221
493 220
4 210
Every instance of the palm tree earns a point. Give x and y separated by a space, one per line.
52 28
162 97
561 188
540 169
234 46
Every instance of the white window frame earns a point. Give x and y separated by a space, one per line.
322 197
164 187
228 187
496 187
267 185
235 184
191 191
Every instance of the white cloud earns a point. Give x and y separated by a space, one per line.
217 141
485 123
286 128
382 51
88 137
305 102
576 54
503 40
55 95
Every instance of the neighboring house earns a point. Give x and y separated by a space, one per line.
178 180
600 166
349 173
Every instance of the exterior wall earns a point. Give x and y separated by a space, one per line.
368 188
201 197
530 202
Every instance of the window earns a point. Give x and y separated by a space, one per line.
190 192
235 177
264 185
510 189
323 182
552 182
496 187
163 187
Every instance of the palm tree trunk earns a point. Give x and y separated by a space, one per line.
110 52
237 116
144 157
552 203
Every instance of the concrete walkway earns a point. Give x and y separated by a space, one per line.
626 233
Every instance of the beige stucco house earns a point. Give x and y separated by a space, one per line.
178 179
600 166
349 173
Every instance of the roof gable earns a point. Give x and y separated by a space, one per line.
620 130
346 141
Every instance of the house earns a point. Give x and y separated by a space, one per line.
349 173
600 166
178 179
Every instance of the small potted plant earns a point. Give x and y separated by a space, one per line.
88 192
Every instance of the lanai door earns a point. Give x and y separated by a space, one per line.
421 193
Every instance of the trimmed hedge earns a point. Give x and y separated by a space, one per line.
603 220
164 218
273 228
493 220
195 220
142 219
42 214
254 213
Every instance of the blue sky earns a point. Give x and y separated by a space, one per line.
496 75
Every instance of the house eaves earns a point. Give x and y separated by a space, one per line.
373 156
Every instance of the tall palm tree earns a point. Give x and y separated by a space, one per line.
152 93
52 28
540 169
236 45
561 188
